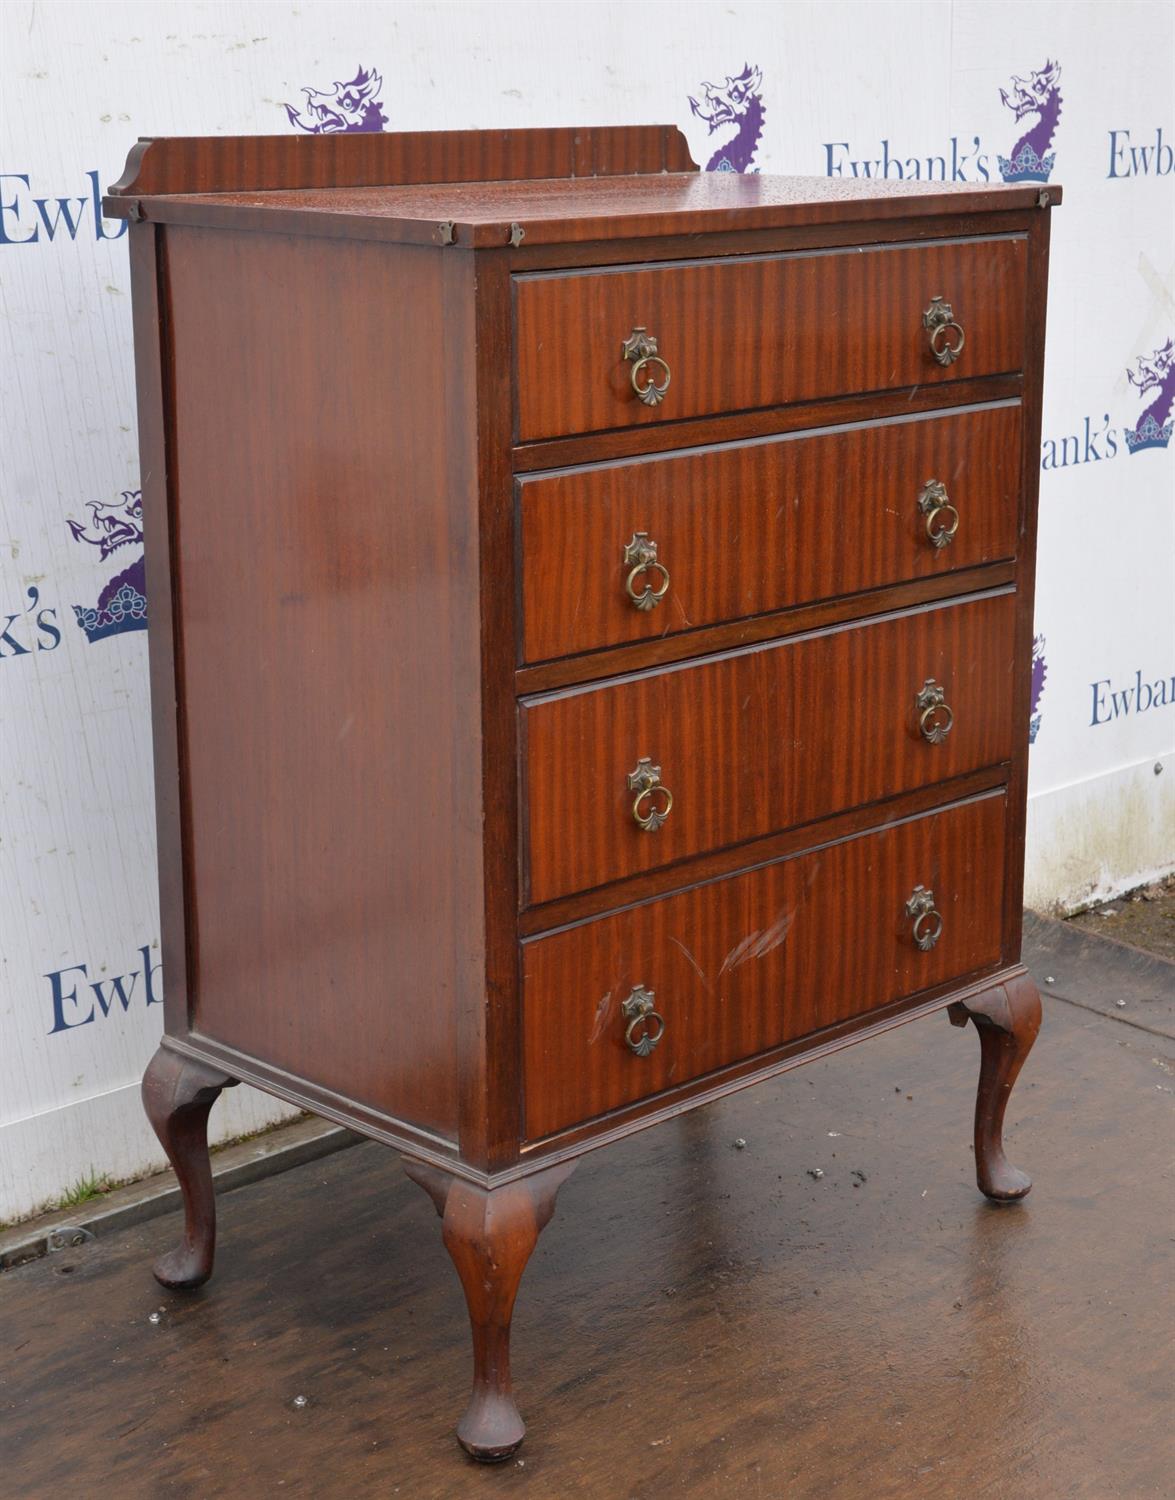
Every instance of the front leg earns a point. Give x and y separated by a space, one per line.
178 1093
1007 1018
490 1235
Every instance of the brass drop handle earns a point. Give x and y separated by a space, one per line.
645 1026
640 558
641 348
645 781
939 320
942 519
926 917
935 715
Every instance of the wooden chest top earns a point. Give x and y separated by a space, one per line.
568 210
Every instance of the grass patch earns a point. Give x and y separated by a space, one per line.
97 1184
84 1189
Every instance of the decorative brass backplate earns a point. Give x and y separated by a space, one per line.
926 917
640 344
641 348
942 519
938 320
645 1025
935 715
645 781
640 557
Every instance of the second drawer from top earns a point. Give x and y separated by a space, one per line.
648 547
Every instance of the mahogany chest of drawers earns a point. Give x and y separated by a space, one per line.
591 624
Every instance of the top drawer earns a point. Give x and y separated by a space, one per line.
760 330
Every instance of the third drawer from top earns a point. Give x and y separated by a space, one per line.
627 775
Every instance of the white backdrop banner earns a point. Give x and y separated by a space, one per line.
976 91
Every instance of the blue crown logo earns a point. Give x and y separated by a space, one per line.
1148 434
122 605
1027 166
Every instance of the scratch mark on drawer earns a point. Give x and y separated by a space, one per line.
603 1017
693 963
759 944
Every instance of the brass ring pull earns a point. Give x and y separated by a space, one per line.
640 557
942 519
641 348
945 353
651 393
935 715
645 781
648 597
926 917
939 320
645 1026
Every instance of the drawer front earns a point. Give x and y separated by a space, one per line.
762 330
751 527
744 964
758 740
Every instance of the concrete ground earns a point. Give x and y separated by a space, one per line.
703 1317
1145 918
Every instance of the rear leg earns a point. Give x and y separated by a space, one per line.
178 1093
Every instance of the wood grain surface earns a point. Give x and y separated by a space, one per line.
758 740
585 188
224 164
750 962
760 331
1020 688
754 527
325 551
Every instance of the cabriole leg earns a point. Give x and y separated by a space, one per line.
490 1236
1007 1018
178 1093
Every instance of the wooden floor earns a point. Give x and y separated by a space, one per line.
702 1318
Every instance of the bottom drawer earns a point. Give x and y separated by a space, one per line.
742 964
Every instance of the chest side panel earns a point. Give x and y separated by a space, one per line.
325 555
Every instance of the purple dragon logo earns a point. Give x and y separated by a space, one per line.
1039 95
122 604
348 109
737 103
1155 425
1039 672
